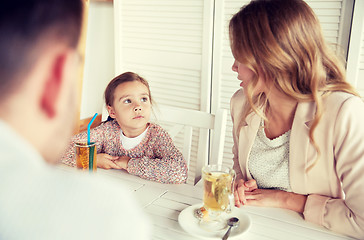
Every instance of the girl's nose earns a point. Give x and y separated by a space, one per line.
235 66
137 108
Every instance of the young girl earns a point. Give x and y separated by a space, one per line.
129 141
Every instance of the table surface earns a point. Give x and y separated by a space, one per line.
164 202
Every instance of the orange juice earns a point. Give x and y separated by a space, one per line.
83 154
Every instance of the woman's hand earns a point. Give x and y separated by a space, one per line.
266 198
107 161
122 162
247 193
276 198
241 187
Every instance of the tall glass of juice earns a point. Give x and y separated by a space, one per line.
86 156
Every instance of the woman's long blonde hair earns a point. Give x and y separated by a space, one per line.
284 41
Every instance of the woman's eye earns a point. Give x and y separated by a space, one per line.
144 99
127 101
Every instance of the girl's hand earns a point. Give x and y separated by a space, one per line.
276 198
122 162
106 161
240 189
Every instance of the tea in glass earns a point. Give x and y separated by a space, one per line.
217 190
218 194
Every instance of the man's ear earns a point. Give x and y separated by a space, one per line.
111 111
53 85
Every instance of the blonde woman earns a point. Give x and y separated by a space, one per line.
297 123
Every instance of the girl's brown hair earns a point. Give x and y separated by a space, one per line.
122 78
284 40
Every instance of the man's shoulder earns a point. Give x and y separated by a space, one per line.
111 205
66 203
92 186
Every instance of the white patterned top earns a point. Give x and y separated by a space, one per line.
268 161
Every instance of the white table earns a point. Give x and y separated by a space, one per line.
164 202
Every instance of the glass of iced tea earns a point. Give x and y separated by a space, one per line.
218 197
86 156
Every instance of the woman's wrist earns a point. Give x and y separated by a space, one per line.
295 202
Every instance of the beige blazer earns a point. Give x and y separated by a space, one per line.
335 184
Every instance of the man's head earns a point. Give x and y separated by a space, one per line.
25 26
38 65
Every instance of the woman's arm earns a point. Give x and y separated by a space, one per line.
276 198
235 103
344 215
162 161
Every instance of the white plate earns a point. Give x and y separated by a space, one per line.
191 224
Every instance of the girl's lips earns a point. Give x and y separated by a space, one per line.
241 84
138 117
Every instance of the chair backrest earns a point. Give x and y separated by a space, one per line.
210 129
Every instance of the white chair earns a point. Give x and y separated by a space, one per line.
179 120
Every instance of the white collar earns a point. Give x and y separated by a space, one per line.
129 143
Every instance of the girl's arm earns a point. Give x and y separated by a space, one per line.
162 161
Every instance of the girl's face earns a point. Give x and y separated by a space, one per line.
131 107
245 75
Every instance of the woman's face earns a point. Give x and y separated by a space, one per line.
245 75
131 107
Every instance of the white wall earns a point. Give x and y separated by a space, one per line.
99 57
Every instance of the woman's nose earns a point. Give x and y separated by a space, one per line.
235 66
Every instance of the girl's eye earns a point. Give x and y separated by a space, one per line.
127 101
144 99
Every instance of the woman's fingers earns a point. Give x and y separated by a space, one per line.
236 198
239 193
251 185
245 191
255 194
